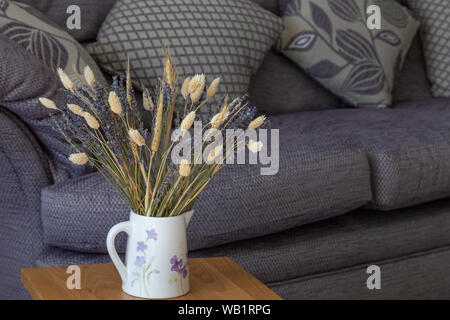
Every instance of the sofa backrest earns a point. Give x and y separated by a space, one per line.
279 86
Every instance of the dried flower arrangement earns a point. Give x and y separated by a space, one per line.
106 130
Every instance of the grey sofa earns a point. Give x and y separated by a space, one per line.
356 187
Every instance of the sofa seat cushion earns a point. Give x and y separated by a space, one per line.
359 238
408 148
317 179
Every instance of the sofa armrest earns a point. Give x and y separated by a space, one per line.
24 171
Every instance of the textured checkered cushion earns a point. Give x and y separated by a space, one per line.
226 39
435 15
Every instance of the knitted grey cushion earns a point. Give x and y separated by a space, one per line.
226 39
435 17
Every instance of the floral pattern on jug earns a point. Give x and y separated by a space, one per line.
144 262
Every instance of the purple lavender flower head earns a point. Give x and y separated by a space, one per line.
151 234
141 246
140 261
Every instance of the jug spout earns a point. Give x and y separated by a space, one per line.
188 216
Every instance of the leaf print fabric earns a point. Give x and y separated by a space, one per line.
38 42
35 32
330 40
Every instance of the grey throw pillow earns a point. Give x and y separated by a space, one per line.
226 39
92 14
23 79
435 32
331 42
40 36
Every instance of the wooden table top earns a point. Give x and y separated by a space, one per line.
211 279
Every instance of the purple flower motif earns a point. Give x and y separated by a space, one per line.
141 246
140 261
178 267
151 234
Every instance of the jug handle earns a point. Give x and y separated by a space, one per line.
113 232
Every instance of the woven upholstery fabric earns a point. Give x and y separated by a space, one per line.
416 277
280 86
412 83
217 38
434 15
315 251
317 179
23 79
92 15
408 147
352 239
24 171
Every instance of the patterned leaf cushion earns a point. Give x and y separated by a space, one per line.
330 40
226 39
23 79
41 37
435 33
93 12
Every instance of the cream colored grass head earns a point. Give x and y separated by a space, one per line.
169 71
49 104
196 87
220 118
91 121
185 168
79 158
255 146
258 122
65 80
89 76
136 137
185 88
188 121
75 109
114 103
158 124
215 153
213 88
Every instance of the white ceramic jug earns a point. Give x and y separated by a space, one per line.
156 256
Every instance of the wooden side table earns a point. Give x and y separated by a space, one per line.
211 279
